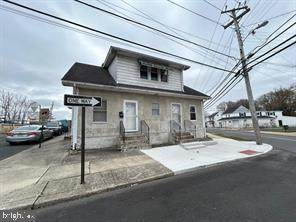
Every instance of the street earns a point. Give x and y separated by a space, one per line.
261 189
7 150
287 143
258 189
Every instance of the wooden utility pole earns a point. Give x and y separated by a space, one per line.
235 21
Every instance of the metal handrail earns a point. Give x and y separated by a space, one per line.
189 127
144 126
122 130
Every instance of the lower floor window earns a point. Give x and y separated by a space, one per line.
192 110
155 109
100 113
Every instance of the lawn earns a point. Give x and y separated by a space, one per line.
279 129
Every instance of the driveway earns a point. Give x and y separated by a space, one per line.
277 141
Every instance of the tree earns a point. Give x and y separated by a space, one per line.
283 99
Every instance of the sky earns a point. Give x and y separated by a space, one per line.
35 55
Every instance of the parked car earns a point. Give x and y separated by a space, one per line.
28 133
55 127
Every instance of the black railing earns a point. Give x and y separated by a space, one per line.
145 130
190 127
122 131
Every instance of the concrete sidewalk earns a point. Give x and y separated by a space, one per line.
191 156
105 170
40 177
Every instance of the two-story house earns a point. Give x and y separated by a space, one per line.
212 120
240 117
144 101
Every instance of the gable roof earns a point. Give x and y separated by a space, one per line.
213 114
233 109
113 51
85 73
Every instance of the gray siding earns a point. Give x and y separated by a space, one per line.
128 72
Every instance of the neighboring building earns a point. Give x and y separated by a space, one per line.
144 99
213 119
240 117
281 120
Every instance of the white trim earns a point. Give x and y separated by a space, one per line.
190 112
124 114
180 112
132 90
100 122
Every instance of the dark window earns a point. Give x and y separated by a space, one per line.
154 74
192 113
164 75
144 72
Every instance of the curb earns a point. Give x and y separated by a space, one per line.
36 205
224 162
78 196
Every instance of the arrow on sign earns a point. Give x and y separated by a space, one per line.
94 101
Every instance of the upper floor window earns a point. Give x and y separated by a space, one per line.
144 72
153 71
154 74
192 110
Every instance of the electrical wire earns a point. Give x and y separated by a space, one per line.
110 35
196 13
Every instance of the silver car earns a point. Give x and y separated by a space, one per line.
29 133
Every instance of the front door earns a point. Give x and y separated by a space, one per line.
130 115
176 112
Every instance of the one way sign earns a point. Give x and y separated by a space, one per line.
73 100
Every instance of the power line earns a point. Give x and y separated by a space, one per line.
106 3
112 36
274 17
211 4
159 34
196 13
149 27
272 49
291 44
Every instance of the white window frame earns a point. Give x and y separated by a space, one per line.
191 112
155 109
103 122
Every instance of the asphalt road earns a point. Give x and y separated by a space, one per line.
260 189
7 150
287 143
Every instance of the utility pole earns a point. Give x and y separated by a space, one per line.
235 21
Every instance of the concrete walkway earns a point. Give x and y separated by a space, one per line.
187 157
39 177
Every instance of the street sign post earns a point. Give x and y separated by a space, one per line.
83 101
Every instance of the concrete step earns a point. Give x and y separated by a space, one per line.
193 145
188 140
184 137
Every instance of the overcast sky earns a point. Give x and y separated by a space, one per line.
35 55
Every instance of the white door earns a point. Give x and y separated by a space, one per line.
130 115
176 112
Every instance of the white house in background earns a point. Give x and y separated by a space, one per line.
144 102
240 117
212 120
281 120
